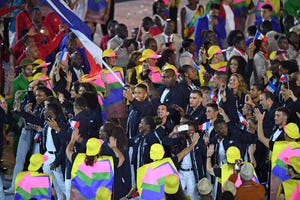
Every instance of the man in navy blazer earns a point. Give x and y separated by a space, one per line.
266 15
213 22
171 93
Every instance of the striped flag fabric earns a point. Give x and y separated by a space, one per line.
74 124
204 127
242 118
284 78
83 33
271 87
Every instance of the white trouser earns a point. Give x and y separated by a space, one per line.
188 183
68 188
57 176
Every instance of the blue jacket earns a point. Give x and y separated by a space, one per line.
274 21
179 94
203 24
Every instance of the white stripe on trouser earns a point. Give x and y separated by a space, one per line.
131 166
188 183
68 188
57 176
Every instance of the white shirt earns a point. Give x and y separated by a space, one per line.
49 142
186 161
222 154
230 25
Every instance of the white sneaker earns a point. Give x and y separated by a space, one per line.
9 190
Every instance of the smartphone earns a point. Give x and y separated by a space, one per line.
182 128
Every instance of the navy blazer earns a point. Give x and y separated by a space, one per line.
203 24
177 95
274 21
59 140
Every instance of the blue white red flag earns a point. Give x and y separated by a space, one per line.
284 78
204 127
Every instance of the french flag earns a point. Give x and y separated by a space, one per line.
37 136
242 118
260 36
74 124
204 127
213 96
284 78
83 33
271 87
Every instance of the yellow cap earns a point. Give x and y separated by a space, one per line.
93 146
109 53
233 154
149 53
292 130
171 184
213 50
103 193
294 161
38 63
157 151
36 161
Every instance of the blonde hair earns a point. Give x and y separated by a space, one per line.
242 89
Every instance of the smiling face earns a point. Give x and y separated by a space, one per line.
140 94
233 82
234 66
162 111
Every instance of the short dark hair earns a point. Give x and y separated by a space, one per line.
46 90
269 95
284 110
214 106
197 92
80 102
252 30
238 39
142 86
214 6
267 7
164 104
149 120
148 41
184 69
219 121
258 86
53 107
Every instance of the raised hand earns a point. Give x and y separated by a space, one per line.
259 116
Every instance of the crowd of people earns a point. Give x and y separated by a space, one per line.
210 113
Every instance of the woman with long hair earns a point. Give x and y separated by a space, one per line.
239 88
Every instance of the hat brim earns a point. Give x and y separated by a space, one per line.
152 57
24 65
